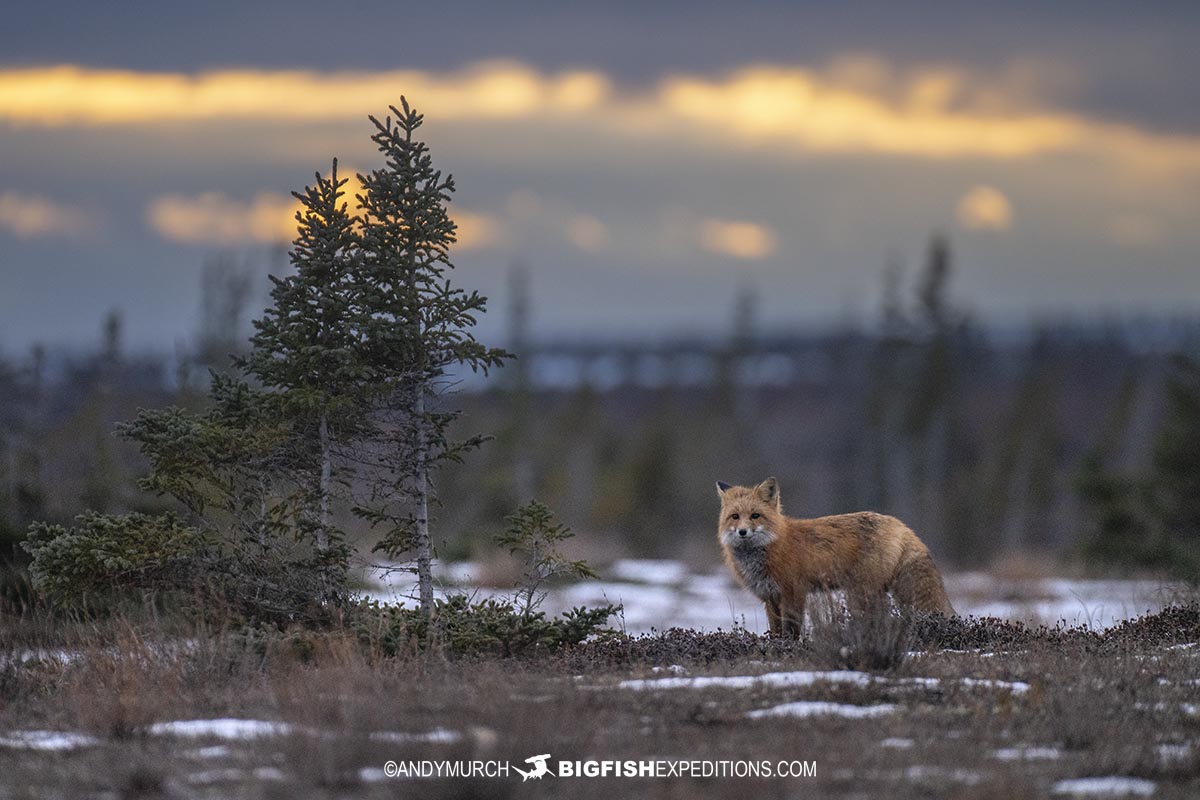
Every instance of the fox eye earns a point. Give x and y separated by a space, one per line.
755 515
735 516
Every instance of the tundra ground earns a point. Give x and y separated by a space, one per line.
974 709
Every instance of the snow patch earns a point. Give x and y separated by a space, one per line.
1108 786
47 740
214 751
1027 754
773 679
1174 752
226 728
228 775
897 743
244 729
920 772
658 594
435 736
1016 687
649 570
41 655
673 669
808 678
806 708
231 775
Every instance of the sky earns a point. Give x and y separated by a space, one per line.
645 162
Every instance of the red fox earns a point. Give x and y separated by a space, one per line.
781 559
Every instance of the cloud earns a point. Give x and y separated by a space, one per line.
72 95
213 218
216 219
29 216
856 105
587 233
801 108
737 239
476 230
984 208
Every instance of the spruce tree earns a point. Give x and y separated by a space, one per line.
306 352
415 332
345 379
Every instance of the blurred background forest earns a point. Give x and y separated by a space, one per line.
682 213
1075 441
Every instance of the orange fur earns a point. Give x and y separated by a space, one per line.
781 559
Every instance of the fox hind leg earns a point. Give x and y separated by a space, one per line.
918 586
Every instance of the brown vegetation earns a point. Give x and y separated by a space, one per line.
1119 702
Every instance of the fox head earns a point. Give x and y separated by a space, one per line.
750 516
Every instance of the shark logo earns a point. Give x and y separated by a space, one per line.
539 767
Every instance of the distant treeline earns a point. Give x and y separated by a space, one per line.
1056 441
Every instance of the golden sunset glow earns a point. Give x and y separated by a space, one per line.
476 231
33 216
737 239
985 208
270 218
799 107
587 233
70 95
213 218
859 106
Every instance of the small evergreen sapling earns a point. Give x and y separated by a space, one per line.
533 536
504 627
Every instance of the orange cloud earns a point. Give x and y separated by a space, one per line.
737 239
857 105
800 107
213 218
587 233
477 231
985 208
29 216
71 95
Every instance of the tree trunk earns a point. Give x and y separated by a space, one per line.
262 513
328 579
422 543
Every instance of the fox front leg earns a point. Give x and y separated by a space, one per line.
774 619
792 614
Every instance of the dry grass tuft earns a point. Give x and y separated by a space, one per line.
875 637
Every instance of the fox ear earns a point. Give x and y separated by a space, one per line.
768 492
723 487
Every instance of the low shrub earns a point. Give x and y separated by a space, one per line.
92 563
459 627
104 563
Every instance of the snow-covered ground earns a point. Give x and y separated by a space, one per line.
801 678
661 594
225 729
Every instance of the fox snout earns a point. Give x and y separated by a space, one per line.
743 537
